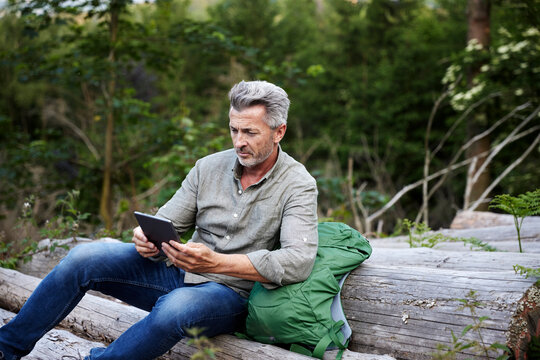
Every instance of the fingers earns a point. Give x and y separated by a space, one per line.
190 257
183 249
174 252
144 247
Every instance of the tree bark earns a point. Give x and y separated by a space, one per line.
400 302
408 311
46 259
104 320
56 344
484 219
503 238
478 20
106 189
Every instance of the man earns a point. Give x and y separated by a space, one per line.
254 212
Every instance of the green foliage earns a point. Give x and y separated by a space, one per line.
526 271
205 349
510 65
504 76
11 253
519 207
420 235
362 77
462 342
9 256
475 244
66 223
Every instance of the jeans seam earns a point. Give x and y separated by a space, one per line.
129 282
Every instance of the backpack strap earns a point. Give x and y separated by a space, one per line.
299 349
340 332
334 336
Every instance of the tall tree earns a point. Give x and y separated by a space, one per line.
105 202
478 22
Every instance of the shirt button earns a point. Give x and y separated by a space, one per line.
228 237
235 215
305 239
240 192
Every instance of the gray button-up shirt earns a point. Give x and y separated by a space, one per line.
273 222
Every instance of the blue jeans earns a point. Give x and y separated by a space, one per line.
118 270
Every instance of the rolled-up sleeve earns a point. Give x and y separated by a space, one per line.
294 259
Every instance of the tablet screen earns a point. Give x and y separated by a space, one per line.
157 230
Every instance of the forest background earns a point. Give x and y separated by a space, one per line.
398 109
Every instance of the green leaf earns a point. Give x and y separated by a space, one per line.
466 330
466 346
500 346
454 338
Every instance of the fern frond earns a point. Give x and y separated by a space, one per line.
532 199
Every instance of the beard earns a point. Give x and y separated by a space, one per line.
257 157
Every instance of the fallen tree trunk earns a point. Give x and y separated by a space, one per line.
450 274
410 311
482 219
404 310
454 260
56 344
411 286
502 238
104 320
529 233
50 252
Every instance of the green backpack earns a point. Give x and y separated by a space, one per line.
309 314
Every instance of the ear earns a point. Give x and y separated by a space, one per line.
279 133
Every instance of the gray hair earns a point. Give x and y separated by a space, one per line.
272 97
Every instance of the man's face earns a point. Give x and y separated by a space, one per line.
252 138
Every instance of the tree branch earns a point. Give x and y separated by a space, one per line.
514 138
503 143
461 118
470 142
350 193
504 173
428 158
54 111
409 187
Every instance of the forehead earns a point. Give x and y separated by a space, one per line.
252 117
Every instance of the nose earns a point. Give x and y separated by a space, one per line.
239 140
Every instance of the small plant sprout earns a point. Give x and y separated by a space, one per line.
460 342
205 349
420 235
528 272
519 207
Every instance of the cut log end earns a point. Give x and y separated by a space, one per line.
525 324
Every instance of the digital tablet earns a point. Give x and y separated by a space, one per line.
156 230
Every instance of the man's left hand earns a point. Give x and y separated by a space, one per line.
192 257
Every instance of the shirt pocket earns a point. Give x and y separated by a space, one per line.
265 221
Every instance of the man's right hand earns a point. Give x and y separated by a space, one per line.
142 245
